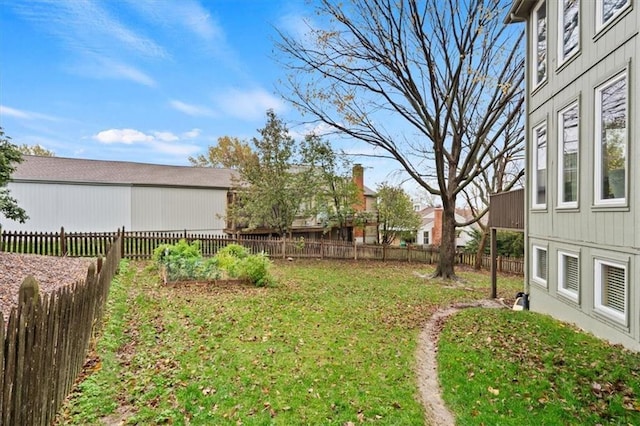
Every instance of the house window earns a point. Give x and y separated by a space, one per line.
568 275
539 177
611 289
569 28
611 142
539 265
539 48
608 10
425 238
568 149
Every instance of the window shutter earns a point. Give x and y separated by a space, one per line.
613 288
542 264
571 273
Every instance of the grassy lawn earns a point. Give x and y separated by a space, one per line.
335 343
332 343
521 368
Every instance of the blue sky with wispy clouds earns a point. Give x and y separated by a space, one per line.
144 80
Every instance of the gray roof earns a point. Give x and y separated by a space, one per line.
77 170
74 170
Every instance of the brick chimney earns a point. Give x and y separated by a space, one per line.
360 206
437 227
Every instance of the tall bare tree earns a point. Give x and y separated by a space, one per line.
505 173
432 83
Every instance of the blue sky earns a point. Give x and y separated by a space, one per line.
143 80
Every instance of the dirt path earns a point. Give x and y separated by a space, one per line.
430 392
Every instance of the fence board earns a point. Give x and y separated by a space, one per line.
46 338
139 245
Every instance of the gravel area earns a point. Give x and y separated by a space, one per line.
50 272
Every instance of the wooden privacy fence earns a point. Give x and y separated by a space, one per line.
46 339
139 245
78 244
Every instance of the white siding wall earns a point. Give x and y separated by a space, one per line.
79 208
156 209
588 231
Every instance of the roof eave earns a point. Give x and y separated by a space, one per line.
519 11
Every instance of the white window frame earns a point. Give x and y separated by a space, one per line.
600 23
534 264
534 167
427 234
534 47
562 289
562 58
598 176
561 192
620 317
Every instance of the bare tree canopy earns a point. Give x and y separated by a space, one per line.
432 83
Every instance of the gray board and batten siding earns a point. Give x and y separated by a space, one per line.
587 232
100 196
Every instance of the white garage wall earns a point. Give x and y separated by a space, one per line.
158 208
77 207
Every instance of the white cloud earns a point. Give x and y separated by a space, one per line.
295 25
193 133
249 104
106 68
319 129
88 27
193 110
164 142
125 136
25 115
165 136
187 14
175 149
102 43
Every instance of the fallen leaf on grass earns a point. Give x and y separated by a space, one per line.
493 391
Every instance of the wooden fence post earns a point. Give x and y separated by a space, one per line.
30 289
63 245
355 249
122 243
284 242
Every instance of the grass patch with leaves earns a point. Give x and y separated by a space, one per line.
522 368
96 395
331 343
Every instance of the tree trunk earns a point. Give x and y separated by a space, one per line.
481 246
446 263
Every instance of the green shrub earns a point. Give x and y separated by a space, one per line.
183 261
255 268
229 258
234 250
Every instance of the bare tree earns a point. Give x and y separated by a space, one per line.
432 83
505 173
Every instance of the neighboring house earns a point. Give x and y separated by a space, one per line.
102 196
430 231
314 227
582 163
